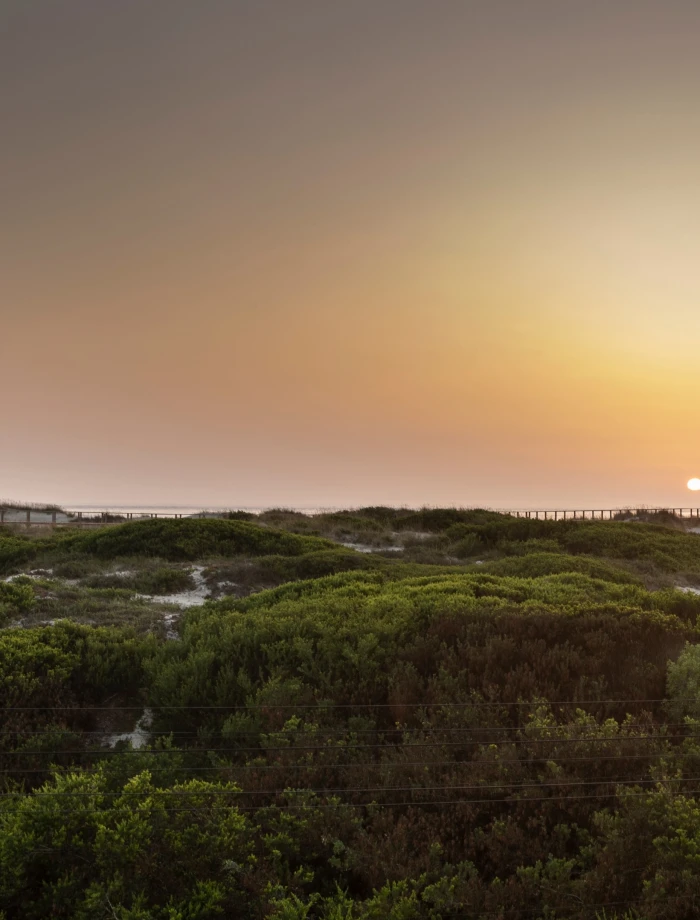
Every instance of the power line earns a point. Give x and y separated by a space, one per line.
479 912
582 905
367 789
435 803
322 731
366 746
323 705
373 764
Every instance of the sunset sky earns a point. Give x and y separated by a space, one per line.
341 252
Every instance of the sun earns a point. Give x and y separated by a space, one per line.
694 485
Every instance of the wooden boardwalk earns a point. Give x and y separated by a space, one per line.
13 517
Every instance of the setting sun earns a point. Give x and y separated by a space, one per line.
694 485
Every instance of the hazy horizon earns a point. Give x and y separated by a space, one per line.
338 254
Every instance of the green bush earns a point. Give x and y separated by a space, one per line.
445 520
188 539
65 664
159 581
372 741
75 849
537 565
528 547
683 683
560 635
670 550
77 567
469 545
15 599
15 551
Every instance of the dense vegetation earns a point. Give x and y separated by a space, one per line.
486 717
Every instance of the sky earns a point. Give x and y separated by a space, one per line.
324 253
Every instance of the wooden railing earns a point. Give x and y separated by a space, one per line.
606 514
32 517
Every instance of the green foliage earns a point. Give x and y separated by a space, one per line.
188 539
348 523
670 550
537 565
440 520
15 599
150 852
64 664
76 567
370 738
15 551
345 636
249 575
161 580
683 683
469 545
314 565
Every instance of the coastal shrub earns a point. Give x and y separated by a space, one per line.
344 522
536 565
683 683
76 567
15 599
191 539
381 514
645 854
469 545
564 636
50 677
670 550
67 663
75 848
15 551
528 547
372 738
440 520
161 581
314 565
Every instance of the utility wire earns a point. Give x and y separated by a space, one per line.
438 803
369 746
323 705
479 787
374 765
333 733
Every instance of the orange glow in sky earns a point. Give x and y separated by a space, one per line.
320 254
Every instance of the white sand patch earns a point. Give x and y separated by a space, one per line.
411 535
139 737
36 574
170 619
687 590
359 547
194 598
365 548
